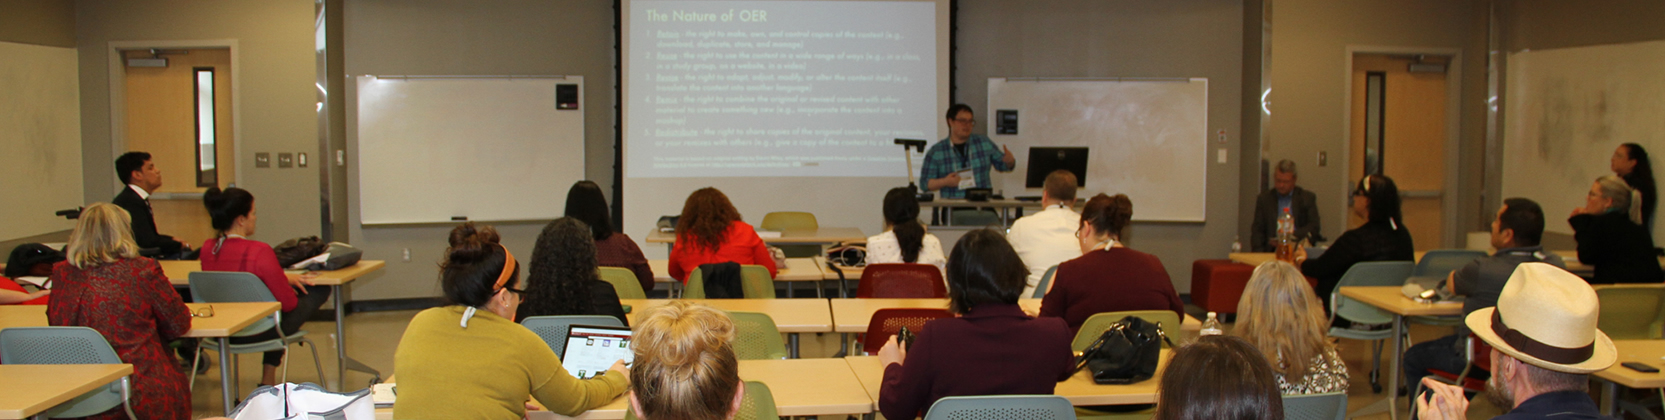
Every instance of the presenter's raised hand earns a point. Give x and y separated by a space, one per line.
1008 157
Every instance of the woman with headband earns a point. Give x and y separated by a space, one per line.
469 360
1382 237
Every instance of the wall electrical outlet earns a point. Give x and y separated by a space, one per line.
407 254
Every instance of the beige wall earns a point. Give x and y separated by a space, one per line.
275 69
1308 79
39 22
1096 38
440 37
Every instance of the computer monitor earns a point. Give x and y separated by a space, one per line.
1044 160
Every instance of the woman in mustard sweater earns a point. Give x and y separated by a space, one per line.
469 360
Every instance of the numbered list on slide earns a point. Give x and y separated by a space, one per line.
728 88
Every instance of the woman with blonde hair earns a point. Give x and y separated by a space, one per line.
1611 235
684 365
1280 316
105 285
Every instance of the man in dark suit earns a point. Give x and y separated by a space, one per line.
142 177
1301 204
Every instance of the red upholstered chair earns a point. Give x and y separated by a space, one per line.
1217 285
1479 357
886 322
901 281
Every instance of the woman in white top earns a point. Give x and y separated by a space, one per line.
904 239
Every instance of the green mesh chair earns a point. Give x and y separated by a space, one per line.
1046 280
624 282
1331 406
757 404
1095 325
1379 273
1632 312
756 337
792 220
755 283
236 286
1002 407
68 346
553 329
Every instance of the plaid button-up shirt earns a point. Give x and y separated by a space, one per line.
942 159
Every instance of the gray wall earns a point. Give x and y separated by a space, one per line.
276 72
1308 79
1126 38
39 22
438 37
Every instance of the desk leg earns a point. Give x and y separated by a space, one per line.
1609 393
1398 366
344 362
792 345
225 374
843 345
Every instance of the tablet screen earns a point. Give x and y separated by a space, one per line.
591 350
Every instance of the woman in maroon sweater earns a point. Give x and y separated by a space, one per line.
612 249
1108 276
232 214
992 348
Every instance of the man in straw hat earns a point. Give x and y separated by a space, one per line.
1544 345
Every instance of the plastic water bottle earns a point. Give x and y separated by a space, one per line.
1286 226
1211 326
1237 244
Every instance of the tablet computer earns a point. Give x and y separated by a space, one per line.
592 349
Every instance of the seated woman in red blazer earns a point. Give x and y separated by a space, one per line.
992 348
710 231
1108 276
232 214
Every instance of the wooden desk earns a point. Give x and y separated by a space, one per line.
31 389
796 269
1390 299
802 387
1079 389
179 272
1649 352
228 318
852 315
792 316
1258 258
824 235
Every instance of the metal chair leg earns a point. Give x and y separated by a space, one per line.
318 363
127 397
195 358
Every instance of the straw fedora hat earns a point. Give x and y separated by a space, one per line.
1546 317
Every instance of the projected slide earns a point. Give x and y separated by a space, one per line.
777 88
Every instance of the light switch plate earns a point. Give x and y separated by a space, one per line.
262 160
286 160
300 159
1222 158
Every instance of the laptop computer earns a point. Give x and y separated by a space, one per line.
591 349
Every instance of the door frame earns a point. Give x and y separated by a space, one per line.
118 98
1453 129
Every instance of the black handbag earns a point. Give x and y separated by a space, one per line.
299 249
1126 352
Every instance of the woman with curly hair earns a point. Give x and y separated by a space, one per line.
563 279
710 231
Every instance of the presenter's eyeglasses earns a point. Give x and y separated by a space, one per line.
965 120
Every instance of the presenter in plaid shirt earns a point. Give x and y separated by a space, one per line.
960 151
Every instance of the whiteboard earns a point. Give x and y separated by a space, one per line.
488 149
1565 112
40 126
1145 138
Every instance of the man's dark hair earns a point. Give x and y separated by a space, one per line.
954 110
1525 218
129 162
